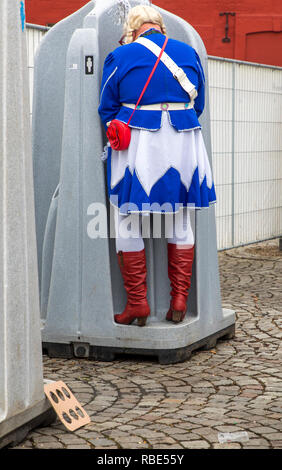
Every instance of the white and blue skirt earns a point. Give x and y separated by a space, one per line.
161 171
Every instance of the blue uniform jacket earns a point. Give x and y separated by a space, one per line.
125 73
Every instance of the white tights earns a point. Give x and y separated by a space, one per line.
129 229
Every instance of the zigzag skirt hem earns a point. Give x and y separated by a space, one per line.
161 172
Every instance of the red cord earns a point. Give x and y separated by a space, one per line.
149 79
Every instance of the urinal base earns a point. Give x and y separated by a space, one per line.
108 354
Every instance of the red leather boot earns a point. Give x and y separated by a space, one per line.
180 261
133 269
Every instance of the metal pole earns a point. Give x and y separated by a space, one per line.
233 157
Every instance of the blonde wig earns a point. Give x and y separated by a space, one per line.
139 15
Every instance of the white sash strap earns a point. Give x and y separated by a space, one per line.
177 72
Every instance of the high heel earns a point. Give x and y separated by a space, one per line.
142 321
177 316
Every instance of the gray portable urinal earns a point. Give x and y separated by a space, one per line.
81 286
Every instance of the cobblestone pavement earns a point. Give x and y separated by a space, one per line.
136 403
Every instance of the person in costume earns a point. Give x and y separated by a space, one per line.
166 167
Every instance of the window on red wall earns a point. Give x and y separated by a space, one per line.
264 47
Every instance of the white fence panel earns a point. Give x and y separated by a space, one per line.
221 95
258 153
246 129
246 104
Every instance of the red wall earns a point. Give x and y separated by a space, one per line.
255 31
46 12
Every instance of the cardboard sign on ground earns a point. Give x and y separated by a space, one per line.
68 409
